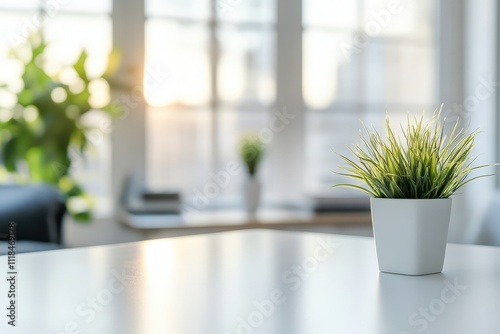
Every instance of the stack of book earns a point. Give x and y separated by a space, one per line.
142 208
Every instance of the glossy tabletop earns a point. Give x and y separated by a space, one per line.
253 281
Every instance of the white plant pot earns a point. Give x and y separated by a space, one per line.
251 194
410 234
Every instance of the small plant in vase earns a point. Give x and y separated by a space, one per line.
251 151
411 179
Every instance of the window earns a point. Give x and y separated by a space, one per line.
68 28
217 60
218 57
361 59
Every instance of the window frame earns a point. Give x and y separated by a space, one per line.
128 21
285 164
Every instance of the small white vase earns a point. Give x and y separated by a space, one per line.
410 234
251 194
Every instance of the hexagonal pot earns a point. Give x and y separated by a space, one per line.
410 234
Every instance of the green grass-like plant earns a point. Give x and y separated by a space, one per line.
424 164
251 152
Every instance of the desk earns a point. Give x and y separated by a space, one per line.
253 281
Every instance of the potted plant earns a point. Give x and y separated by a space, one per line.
251 152
47 130
411 179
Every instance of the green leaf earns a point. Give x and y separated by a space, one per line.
114 61
79 66
82 217
9 155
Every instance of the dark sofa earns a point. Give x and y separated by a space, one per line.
38 212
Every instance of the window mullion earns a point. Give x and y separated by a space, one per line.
286 153
129 37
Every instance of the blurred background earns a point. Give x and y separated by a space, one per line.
159 103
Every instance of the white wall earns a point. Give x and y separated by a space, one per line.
479 111
451 16
480 60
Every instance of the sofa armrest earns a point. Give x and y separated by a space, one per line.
37 211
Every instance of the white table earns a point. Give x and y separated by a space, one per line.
244 282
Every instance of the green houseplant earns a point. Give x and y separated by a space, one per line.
251 151
411 179
46 125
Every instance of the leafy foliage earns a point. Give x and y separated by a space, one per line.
251 151
426 164
41 138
